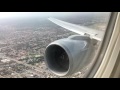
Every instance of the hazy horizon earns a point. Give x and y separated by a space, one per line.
7 15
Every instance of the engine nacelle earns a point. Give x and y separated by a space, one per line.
67 56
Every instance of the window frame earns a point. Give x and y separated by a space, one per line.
97 60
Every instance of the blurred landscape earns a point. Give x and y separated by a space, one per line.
23 42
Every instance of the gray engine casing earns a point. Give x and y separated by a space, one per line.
67 56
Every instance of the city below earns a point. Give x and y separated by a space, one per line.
23 43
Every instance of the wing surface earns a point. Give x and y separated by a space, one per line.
96 34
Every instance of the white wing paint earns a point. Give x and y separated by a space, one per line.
96 34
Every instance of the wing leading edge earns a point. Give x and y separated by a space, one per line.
96 34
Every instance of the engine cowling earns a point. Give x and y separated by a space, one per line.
67 56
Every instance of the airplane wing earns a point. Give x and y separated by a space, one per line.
96 34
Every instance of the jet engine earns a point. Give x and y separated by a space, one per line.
69 55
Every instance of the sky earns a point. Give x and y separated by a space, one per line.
40 14
28 14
